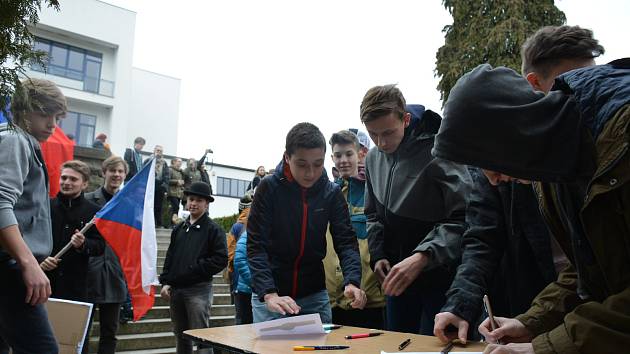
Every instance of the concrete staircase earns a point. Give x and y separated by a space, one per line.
154 333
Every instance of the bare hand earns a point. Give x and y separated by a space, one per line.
510 331
381 268
77 240
37 284
404 273
50 263
359 299
512 348
281 304
443 320
166 292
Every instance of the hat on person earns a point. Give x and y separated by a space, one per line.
364 139
246 201
101 136
201 189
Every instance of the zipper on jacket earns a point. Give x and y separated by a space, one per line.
388 191
296 266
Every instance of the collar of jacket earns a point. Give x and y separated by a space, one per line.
283 173
424 125
201 222
69 202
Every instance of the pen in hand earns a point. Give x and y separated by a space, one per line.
493 323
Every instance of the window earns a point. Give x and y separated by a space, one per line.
71 62
231 187
81 126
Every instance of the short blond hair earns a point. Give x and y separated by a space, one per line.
37 95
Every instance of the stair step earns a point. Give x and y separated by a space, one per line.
153 325
145 341
151 351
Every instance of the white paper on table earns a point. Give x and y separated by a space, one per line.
305 324
382 352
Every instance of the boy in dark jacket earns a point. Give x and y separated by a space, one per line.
197 252
70 211
415 207
573 144
287 234
507 250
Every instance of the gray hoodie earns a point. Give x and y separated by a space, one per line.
24 191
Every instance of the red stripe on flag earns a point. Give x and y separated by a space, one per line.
56 150
126 242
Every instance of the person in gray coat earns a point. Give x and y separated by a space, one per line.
106 282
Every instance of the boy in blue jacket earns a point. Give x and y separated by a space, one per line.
287 234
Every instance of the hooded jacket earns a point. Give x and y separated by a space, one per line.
24 197
286 232
353 189
575 142
416 203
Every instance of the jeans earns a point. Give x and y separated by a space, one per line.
414 311
23 328
243 304
314 303
190 309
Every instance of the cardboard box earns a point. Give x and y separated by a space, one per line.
69 321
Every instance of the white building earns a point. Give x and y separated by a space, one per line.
90 48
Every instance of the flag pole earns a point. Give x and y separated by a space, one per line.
67 247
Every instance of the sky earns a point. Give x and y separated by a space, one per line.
252 69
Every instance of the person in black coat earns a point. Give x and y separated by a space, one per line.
133 158
107 287
197 251
70 212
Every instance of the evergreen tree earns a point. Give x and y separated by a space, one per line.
16 42
489 31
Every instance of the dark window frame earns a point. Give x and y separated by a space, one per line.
90 83
232 184
82 121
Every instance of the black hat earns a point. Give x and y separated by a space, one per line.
201 189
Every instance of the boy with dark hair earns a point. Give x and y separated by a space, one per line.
507 250
346 157
287 234
573 143
415 206
70 211
25 229
133 157
196 253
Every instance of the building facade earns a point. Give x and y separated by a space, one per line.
90 51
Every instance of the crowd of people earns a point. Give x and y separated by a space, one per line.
520 191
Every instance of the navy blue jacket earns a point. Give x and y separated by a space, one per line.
286 232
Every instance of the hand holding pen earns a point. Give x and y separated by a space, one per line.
509 330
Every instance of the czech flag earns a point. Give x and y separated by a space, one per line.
56 150
127 224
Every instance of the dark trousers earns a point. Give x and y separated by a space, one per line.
414 311
243 304
108 324
174 203
190 309
23 328
157 204
366 318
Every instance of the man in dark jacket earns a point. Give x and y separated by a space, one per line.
573 143
162 177
70 211
508 252
415 206
107 289
286 232
197 252
133 158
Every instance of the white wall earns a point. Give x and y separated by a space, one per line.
154 110
107 29
224 206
